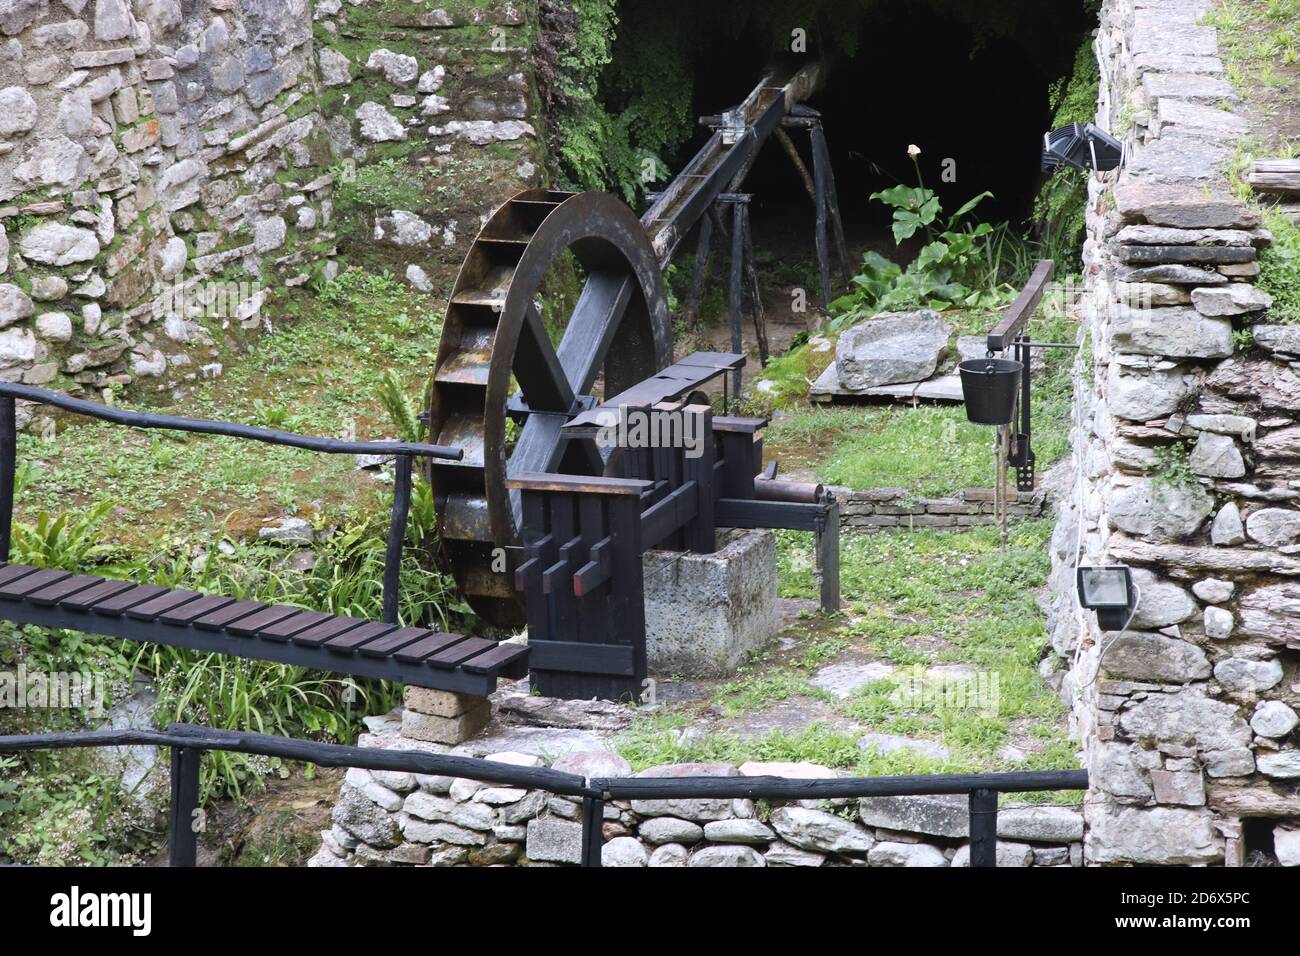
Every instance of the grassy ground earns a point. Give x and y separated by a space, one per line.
930 450
915 599
318 372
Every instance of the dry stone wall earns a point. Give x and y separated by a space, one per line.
1186 469
168 169
402 819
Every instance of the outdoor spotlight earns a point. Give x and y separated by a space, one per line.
1108 590
1081 146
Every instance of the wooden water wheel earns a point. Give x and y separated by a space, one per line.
496 362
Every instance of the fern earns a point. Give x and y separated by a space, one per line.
400 410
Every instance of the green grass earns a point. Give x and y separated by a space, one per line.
921 598
1279 269
320 372
930 450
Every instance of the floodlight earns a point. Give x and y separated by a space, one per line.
1081 146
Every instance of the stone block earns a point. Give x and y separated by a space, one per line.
439 703
446 730
706 612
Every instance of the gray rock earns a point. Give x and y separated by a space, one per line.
366 821
1286 844
905 854
1217 456
1274 527
1238 426
172 257
1227 528
1160 511
659 830
1182 788
418 278
54 327
783 854
296 532
1173 274
1143 395
556 841
113 20
1218 623
17 347
1187 717
55 161
843 680
1041 824
1274 719
482 132
737 831
935 816
431 80
1160 836
1243 674
397 68
726 856
462 813
893 347
1234 762
1278 338
894 743
670 854
1283 765
1162 602
402 228
269 233
335 68
1175 331
1006 855
1115 771
55 243
378 125
1235 299
593 763
180 183
698 809
624 852
15 304
820 831
1139 655
18 111
1214 590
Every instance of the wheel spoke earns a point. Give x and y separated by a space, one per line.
537 368
592 326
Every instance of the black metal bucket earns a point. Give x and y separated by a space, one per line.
988 387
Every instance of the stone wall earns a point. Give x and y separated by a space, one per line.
168 170
874 508
385 819
1187 468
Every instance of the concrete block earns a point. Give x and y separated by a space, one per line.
706 612
439 703
446 730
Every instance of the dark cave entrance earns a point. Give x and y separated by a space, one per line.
975 93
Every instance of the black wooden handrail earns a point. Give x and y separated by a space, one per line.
121 416
404 452
189 741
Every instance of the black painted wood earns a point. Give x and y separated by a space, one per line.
213 623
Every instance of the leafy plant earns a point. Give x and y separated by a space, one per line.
1173 466
1279 269
69 540
400 408
951 268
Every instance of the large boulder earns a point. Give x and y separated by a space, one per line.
893 347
